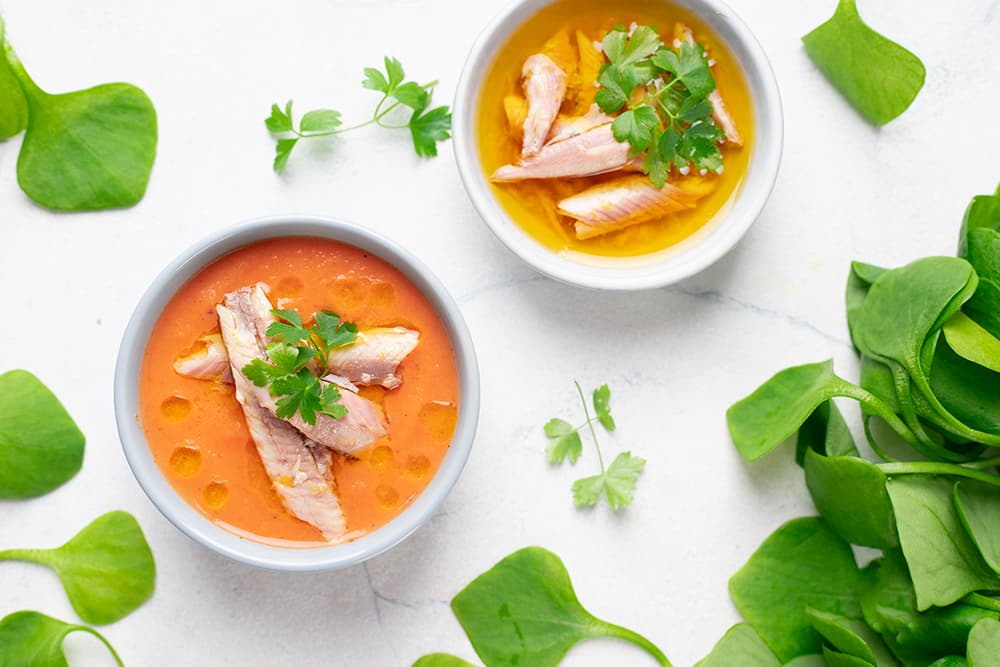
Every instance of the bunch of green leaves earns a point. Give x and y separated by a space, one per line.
524 611
878 77
927 340
298 357
107 568
427 126
617 481
662 96
41 447
86 150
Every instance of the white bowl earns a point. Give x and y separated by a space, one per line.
684 259
196 525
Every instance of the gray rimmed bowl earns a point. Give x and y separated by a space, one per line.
201 529
693 254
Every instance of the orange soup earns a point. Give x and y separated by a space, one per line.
566 30
196 428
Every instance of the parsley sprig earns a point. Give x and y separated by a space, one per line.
427 126
294 353
667 118
617 481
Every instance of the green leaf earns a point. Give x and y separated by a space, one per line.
620 479
852 637
851 496
617 84
693 70
613 45
87 150
565 441
261 373
375 80
811 660
441 660
289 328
984 644
278 121
41 447
329 402
332 332
979 242
32 639
394 70
978 507
13 106
635 126
587 490
413 95
826 433
653 163
286 359
971 341
943 561
429 128
643 43
523 611
602 407
283 150
838 659
802 564
319 121
741 645
107 568
859 281
877 76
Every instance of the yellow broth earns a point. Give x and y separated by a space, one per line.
533 203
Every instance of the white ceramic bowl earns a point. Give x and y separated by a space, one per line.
686 258
196 525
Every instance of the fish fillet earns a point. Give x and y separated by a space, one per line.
544 88
719 112
250 310
299 471
593 152
628 201
375 356
208 360
567 127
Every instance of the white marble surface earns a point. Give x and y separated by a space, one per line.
675 358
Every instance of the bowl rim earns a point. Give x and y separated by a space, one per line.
200 528
708 244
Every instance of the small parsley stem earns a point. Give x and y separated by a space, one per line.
104 641
590 424
640 641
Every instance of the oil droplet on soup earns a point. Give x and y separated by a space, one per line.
381 456
373 393
418 466
383 294
216 495
348 294
186 461
439 420
287 288
387 496
175 408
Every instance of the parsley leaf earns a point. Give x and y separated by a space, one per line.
288 328
661 97
616 482
332 332
427 127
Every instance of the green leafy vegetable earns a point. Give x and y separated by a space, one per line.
107 568
877 76
978 507
29 638
427 126
741 645
13 107
296 351
441 660
40 446
86 150
852 637
984 644
800 566
669 121
979 242
615 482
972 342
523 611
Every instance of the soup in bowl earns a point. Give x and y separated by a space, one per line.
297 393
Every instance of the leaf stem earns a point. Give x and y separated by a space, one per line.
26 555
983 463
104 641
590 424
937 468
981 601
632 637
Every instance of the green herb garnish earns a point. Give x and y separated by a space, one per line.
667 118
32 638
41 447
878 77
293 355
617 481
86 150
107 568
427 126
